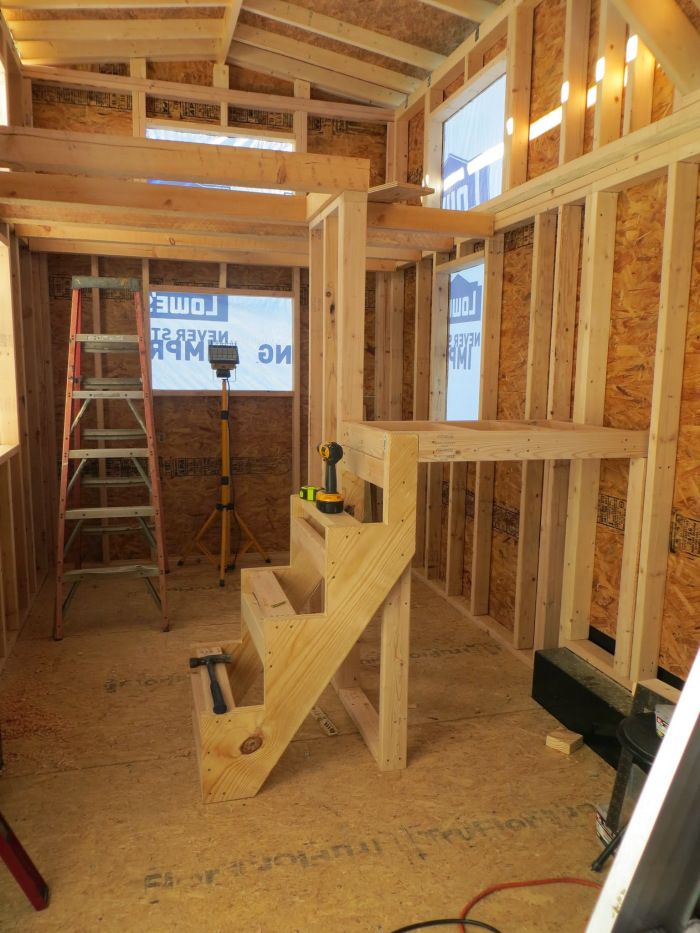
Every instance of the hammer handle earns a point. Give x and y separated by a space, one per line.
216 694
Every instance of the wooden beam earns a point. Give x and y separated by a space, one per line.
393 674
541 302
352 232
488 408
421 385
409 219
228 27
292 15
476 10
296 399
395 330
589 397
629 570
120 50
282 66
456 510
59 195
556 472
639 92
199 93
438 340
578 20
315 380
676 269
323 58
117 156
382 346
113 30
55 5
329 422
612 41
518 79
672 38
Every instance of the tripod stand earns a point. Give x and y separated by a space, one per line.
224 507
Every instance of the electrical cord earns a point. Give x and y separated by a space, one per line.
523 884
447 922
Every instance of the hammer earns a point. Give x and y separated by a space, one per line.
209 661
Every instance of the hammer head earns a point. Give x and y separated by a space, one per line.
210 659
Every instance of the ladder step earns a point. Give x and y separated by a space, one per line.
108 393
201 687
108 343
104 453
111 529
112 433
113 570
111 382
113 481
112 511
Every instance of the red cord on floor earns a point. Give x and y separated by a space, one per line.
523 884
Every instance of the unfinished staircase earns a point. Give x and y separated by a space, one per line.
301 622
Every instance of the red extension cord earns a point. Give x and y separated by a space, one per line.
523 884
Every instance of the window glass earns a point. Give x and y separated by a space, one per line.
219 139
472 151
464 343
183 324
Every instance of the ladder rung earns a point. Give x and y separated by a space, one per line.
120 570
112 529
112 433
111 511
103 281
113 481
108 343
104 453
110 382
108 393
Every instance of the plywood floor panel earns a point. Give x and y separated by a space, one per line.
100 784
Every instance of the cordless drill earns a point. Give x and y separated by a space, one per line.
329 499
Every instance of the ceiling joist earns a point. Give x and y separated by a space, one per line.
103 30
96 154
77 52
32 5
292 15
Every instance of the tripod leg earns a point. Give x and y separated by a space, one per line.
195 541
224 548
252 540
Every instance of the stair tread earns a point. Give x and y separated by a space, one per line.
111 511
340 520
269 594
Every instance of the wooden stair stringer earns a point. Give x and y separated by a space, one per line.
302 652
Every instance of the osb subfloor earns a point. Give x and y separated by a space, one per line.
100 785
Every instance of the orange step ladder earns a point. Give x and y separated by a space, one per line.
85 448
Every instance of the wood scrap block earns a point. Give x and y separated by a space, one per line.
564 740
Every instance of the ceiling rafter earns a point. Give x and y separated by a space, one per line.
476 10
330 28
323 58
233 10
282 66
669 35
115 50
55 5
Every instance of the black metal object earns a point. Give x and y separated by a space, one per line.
582 698
209 661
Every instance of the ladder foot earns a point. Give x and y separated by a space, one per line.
267 560
222 583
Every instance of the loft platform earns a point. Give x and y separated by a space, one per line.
441 441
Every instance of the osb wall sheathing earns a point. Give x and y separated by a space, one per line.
188 431
356 140
81 111
680 632
546 81
416 130
512 372
630 372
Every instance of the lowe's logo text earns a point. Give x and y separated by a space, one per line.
189 307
